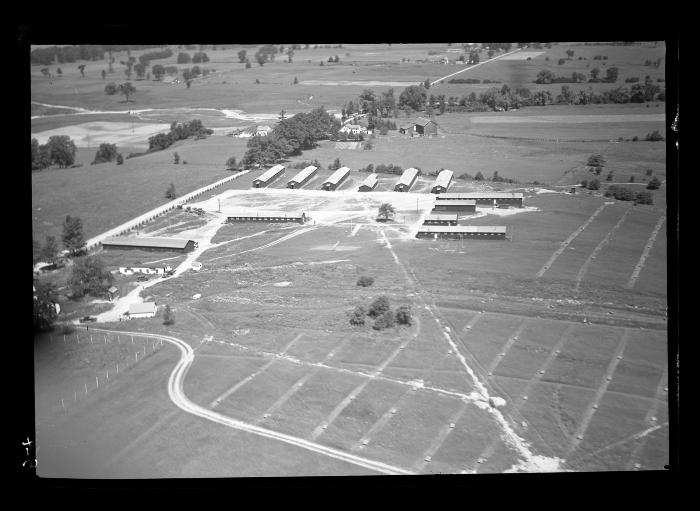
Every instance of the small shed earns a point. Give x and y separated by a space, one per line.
426 127
268 176
333 182
406 181
369 184
142 310
112 292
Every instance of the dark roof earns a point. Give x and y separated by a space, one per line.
421 121
179 243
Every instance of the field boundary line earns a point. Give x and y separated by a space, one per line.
520 402
299 383
508 345
439 440
216 402
636 436
567 241
593 406
598 248
645 253
177 395
473 66
366 438
651 413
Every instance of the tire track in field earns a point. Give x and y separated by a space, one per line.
177 395
567 241
647 248
530 462
598 248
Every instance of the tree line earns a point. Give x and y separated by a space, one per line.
63 54
178 131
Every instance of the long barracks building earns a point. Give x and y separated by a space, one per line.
485 198
484 232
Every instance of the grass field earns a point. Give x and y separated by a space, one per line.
576 353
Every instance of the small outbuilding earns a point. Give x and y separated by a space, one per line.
442 182
369 184
142 310
302 177
419 127
334 181
406 181
268 176
441 219
112 293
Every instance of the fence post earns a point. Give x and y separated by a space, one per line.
107 374
63 405
97 382
90 338
64 339
75 395
137 356
117 368
105 336
86 389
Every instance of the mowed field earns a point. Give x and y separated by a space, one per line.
283 356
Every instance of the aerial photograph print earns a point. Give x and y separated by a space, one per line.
276 260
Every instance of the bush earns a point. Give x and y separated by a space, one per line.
619 193
479 176
584 183
379 306
654 184
465 176
120 159
649 172
357 316
403 315
111 89
365 281
644 198
386 320
170 192
168 316
654 136
594 184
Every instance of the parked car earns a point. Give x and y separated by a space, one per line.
88 319
141 278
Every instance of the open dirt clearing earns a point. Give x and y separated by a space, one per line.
91 134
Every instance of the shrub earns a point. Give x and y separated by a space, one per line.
379 306
465 176
120 159
654 136
561 61
365 281
649 172
594 184
631 179
170 192
635 138
111 89
609 176
479 176
644 198
619 193
403 315
168 316
386 320
654 184
357 316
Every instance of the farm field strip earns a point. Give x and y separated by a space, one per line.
566 242
299 383
382 421
660 391
475 65
593 406
506 348
597 249
245 380
357 390
470 324
439 440
490 449
647 248
176 393
481 395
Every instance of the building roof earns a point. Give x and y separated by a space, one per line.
304 174
270 173
142 308
444 217
494 229
258 213
480 195
370 181
407 125
146 242
458 202
113 289
408 176
422 121
337 175
264 127
444 178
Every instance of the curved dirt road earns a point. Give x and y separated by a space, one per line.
177 395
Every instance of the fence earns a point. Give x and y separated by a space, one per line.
103 378
96 242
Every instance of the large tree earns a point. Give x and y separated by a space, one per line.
44 308
386 210
242 56
158 71
89 277
72 236
105 153
49 252
127 89
61 150
413 97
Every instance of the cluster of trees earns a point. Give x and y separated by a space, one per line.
59 150
380 311
654 136
464 80
593 184
546 76
654 183
179 131
63 54
653 63
200 57
382 169
155 55
626 194
126 89
184 58
89 277
369 102
264 54
292 136
106 153
365 281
